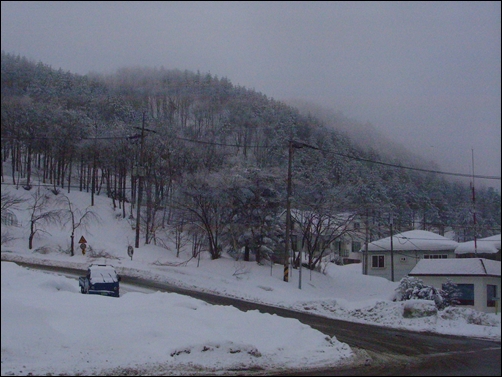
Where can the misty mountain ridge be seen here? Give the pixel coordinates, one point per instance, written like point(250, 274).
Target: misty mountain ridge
point(187, 141)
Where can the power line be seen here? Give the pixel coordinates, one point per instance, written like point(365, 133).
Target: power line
point(353, 158)
point(227, 145)
point(277, 147)
point(69, 137)
point(410, 168)
point(350, 157)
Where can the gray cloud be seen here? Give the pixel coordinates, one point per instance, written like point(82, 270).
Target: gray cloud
point(426, 74)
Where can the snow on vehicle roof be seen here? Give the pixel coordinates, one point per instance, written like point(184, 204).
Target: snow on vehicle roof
point(103, 273)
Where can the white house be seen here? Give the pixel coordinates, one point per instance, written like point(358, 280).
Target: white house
point(488, 248)
point(398, 256)
point(477, 278)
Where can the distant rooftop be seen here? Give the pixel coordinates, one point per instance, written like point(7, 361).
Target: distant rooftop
point(457, 266)
point(414, 240)
point(488, 245)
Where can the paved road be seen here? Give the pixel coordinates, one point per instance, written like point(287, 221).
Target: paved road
point(390, 352)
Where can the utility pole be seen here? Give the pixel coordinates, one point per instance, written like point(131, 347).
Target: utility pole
point(93, 178)
point(365, 253)
point(297, 145)
point(140, 172)
point(288, 213)
point(391, 249)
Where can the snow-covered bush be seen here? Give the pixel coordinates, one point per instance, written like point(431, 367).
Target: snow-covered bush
point(411, 288)
point(419, 308)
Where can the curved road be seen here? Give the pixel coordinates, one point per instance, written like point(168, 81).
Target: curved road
point(388, 352)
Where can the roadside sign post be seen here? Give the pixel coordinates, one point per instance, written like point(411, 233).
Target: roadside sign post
point(83, 245)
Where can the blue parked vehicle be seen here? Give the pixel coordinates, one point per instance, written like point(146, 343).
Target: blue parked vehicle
point(101, 279)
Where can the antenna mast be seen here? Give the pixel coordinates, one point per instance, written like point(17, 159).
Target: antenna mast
point(474, 208)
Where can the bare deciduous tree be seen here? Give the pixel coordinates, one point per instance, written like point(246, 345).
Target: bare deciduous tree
point(76, 218)
point(319, 231)
point(9, 203)
point(40, 216)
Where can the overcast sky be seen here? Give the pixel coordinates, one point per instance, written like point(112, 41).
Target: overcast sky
point(426, 74)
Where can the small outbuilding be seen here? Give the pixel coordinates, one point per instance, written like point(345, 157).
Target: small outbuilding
point(477, 278)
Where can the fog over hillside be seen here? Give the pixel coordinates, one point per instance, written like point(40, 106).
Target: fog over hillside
point(364, 135)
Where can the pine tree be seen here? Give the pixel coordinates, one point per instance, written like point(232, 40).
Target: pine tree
point(450, 294)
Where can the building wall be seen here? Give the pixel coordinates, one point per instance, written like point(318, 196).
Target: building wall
point(404, 262)
point(480, 283)
point(492, 256)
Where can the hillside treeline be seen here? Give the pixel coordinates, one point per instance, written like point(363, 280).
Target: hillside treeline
point(210, 159)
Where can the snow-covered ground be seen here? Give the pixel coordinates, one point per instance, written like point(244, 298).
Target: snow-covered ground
point(47, 326)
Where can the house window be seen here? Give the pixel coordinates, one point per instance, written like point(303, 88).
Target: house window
point(357, 226)
point(435, 256)
point(491, 294)
point(9, 219)
point(377, 261)
point(356, 246)
point(338, 246)
point(466, 294)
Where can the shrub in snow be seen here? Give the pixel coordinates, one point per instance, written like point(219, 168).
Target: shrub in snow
point(43, 250)
point(411, 288)
point(93, 253)
point(419, 308)
point(479, 318)
point(470, 316)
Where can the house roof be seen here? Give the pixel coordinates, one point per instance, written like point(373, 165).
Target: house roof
point(414, 240)
point(488, 245)
point(457, 266)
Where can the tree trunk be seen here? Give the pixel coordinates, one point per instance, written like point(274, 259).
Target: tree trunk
point(32, 234)
point(72, 253)
point(28, 166)
point(69, 172)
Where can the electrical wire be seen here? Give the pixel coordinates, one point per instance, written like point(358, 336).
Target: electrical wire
point(277, 147)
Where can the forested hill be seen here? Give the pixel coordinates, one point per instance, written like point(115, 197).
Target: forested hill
point(211, 153)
